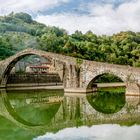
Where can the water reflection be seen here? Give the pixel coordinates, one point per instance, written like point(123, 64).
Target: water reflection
point(107, 101)
point(50, 111)
point(37, 107)
point(96, 132)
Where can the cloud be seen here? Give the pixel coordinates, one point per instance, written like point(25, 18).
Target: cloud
point(101, 18)
point(29, 6)
point(96, 132)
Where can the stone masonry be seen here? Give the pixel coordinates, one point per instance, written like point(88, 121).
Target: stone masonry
point(77, 75)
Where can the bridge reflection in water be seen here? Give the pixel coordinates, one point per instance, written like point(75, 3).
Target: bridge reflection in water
point(41, 111)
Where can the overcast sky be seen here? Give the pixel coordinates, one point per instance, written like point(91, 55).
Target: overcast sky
point(99, 16)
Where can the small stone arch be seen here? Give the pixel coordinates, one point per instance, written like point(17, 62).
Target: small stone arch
point(89, 83)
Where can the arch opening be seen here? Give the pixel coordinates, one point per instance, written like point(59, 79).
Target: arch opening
point(106, 81)
point(29, 67)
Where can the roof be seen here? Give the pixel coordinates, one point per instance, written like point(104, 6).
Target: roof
point(39, 67)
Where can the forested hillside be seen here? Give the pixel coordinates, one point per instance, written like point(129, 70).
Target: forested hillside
point(19, 31)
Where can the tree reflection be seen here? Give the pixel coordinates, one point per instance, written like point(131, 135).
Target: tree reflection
point(107, 101)
point(37, 107)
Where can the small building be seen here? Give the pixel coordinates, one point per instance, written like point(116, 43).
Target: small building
point(43, 68)
point(37, 69)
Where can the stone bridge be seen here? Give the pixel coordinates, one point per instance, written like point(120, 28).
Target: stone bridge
point(77, 74)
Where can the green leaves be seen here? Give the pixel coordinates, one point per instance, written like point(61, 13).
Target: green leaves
point(5, 48)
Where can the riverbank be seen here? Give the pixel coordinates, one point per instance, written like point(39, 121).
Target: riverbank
point(59, 85)
point(110, 85)
point(32, 88)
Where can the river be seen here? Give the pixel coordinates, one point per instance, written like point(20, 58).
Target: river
point(52, 115)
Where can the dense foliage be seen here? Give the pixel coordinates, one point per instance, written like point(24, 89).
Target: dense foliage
point(107, 78)
point(19, 31)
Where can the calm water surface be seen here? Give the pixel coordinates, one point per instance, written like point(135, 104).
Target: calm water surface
point(53, 115)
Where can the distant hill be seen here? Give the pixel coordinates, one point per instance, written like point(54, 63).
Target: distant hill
point(19, 31)
point(23, 22)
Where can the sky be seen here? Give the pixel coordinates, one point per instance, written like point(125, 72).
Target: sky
point(99, 16)
point(96, 132)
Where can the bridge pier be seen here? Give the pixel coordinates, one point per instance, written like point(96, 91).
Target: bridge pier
point(132, 89)
point(132, 100)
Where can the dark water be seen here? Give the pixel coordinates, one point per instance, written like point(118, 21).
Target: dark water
point(51, 115)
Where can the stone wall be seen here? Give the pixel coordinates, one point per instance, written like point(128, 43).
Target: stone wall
point(33, 78)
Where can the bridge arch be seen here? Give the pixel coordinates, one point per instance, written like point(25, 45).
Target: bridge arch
point(129, 75)
point(58, 62)
point(95, 76)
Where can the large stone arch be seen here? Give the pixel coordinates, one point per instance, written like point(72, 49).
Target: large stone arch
point(58, 61)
